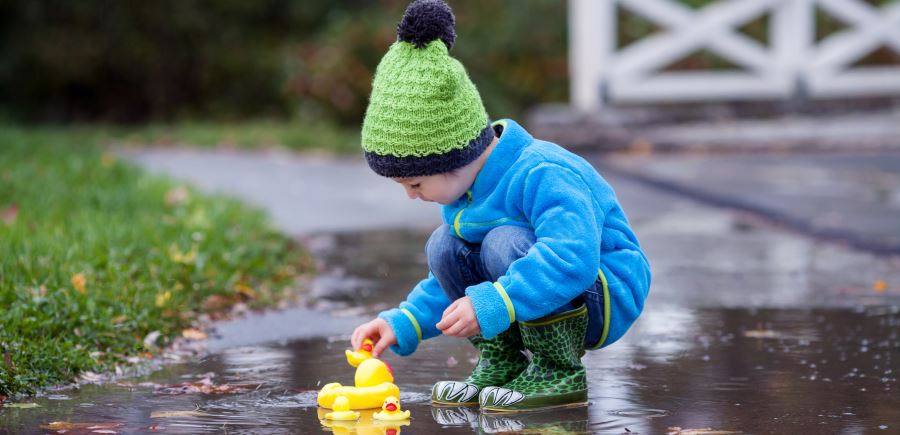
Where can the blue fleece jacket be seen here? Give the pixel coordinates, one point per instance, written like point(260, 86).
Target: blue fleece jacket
point(581, 231)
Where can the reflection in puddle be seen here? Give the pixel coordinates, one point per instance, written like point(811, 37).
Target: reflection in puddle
point(683, 365)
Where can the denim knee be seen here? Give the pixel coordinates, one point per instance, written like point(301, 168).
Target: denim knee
point(503, 245)
point(440, 250)
point(443, 252)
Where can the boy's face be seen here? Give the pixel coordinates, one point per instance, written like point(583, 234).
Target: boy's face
point(441, 188)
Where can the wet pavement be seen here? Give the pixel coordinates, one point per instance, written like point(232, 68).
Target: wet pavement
point(749, 328)
point(851, 198)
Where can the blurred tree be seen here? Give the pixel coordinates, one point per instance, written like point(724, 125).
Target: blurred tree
point(130, 61)
point(170, 59)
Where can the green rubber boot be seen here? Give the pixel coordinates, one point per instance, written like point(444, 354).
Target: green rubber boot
point(501, 360)
point(555, 377)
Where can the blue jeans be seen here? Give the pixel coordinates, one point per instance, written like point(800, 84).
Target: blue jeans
point(458, 264)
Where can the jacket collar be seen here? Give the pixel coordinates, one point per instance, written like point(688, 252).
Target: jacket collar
point(513, 139)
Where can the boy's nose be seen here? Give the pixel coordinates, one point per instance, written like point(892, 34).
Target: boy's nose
point(411, 193)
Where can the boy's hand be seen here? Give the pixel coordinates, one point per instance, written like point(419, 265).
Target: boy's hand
point(459, 319)
point(376, 330)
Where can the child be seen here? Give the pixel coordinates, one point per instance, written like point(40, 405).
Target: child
point(535, 252)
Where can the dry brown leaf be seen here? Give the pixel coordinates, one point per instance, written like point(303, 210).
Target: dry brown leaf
point(205, 386)
point(245, 291)
point(9, 214)
point(107, 160)
point(79, 282)
point(194, 334)
point(22, 405)
point(65, 425)
point(703, 431)
point(170, 414)
point(761, 333)
point(177, 195)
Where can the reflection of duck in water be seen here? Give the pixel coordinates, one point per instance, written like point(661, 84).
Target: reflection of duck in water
point(341, 407)
point(390, 410)
point(374, 383)
point(355, 358)
point(366, 425)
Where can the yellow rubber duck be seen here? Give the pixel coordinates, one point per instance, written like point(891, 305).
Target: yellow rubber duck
point(355, 358)
point(374, 382)
point(390, 410)
point(341, 410)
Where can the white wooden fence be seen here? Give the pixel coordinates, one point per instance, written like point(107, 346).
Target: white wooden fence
point(792, 63)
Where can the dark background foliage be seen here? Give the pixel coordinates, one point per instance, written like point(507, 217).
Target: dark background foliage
point(95, 60)
point(173, 60)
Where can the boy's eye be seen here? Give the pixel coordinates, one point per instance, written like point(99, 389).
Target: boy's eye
point(414, 186)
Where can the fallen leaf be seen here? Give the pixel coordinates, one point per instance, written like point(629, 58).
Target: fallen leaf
point(761, 333)
point(119, 319)
point(107, 160)
point(170, 414)
point(216, 303)
point(164, 297)
point(177, 256)
point(65, 425)
point(880, 286)
point(245, 291)
point(79, 282)
point(703, 431)
point(9, 214)
point(22, 405)
point(194, 334)
point(90, 376)
point(205, 386)
point(177, 195)
point(150, 339)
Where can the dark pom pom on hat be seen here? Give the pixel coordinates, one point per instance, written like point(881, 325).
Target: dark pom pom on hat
point(425, 21)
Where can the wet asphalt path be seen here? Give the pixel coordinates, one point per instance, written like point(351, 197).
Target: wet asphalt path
point(749, 327)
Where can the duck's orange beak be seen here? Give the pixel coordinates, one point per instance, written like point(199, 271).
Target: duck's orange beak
point(367, 347)
point(390, 407)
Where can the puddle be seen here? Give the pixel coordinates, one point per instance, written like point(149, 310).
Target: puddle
point(685, 364)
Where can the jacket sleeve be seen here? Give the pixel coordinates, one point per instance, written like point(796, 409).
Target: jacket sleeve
point(415, 319)
point(562, 263)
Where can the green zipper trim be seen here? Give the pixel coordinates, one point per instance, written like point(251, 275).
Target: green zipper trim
point(509, 306)
point(414, 322)
point(561, 316)
point(495, 222)
point(606, 310)
point(459, 214)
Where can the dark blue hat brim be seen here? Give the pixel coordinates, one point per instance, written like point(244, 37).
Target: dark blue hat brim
point(414, 166)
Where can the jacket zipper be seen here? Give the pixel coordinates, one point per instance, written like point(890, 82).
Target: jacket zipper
point(459, 214)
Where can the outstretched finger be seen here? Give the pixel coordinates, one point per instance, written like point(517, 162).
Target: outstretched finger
point(379, 347)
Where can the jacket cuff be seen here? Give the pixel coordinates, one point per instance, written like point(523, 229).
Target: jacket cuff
point(406, 329)
point(493, 308)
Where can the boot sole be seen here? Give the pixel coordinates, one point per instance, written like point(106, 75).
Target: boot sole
point(452, 404)
point(569, 400)
point(543, 408)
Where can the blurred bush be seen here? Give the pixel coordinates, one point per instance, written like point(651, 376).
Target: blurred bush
point(165, 60)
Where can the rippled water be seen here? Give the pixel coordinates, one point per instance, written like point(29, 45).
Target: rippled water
point(688, 365)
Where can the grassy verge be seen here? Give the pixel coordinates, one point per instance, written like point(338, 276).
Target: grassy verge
point(95, 255)
point(295, 135)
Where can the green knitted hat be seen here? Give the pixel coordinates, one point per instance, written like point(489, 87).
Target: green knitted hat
point(425, 116)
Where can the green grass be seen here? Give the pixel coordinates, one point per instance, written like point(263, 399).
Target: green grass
point(295, 135)
point(152, 255)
